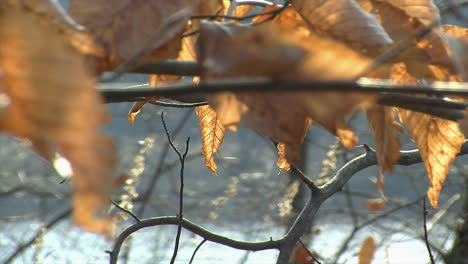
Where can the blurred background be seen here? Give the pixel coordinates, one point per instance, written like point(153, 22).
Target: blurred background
point(249, 198)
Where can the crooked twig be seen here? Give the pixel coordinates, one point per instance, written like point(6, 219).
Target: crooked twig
point(181, 190)
point(196, 250)
point(426, 238)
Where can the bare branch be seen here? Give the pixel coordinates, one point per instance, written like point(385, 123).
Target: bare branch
point(194, 228)
point(126, 211)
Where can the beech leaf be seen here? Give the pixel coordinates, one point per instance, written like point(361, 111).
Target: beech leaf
point(125, 26)
point(272, 50)
point(439, 141)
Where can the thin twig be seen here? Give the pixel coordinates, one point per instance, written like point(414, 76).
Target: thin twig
point(309, 252)
point(144, 197)
point(178, 105)
point(314, 188)
point(181, 191)
point(126, 211)
point(196, 249)
point(426, 239)
point(273, 13)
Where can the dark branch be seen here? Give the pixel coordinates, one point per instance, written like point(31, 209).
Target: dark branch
point(126, 211)
point(268, 85)
point(196, 250)
point(334, 185)
point(196, 229)
point(426, 238)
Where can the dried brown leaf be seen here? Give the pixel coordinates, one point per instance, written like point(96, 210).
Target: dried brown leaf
point(382, 125)
point(125, 27)
point(346, 21)
point(290, 153)
point(366, 254)
point(375, 204)
point(50, 99)
point(268, 51)
point(438, 141)
point(212, 131)
point(63, 25)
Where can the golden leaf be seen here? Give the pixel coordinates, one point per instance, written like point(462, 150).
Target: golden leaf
point(366, 254)
point(212, 131)
point(51, 100)
point(439, 141)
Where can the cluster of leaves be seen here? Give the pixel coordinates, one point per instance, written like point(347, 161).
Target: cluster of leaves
point(50, 63)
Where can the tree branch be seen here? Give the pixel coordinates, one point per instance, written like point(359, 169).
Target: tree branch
point(298, 228)
point(334, 185)
point(194, 228)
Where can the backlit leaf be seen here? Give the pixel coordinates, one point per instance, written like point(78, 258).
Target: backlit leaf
point(212, 131)
point(438, 140)
point(255, 52)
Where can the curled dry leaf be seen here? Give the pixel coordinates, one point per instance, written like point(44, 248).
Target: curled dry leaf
point(124, 27)
point(366, 254)
point(54, 113)
point(212, 131)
